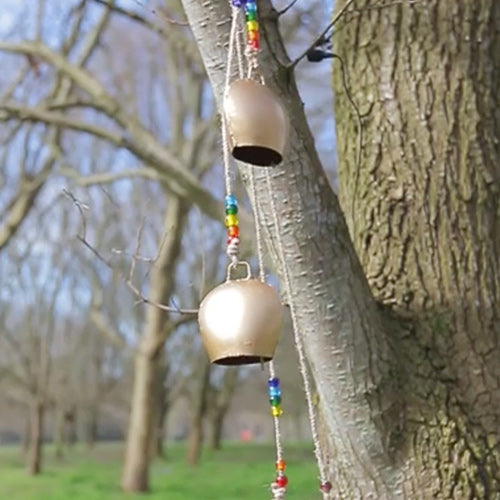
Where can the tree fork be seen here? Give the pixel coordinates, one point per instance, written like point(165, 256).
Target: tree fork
point(350, 352)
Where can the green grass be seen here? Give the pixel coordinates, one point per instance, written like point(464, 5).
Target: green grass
point(238, 472)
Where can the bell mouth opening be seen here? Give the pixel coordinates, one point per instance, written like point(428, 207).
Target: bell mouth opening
point(241, 360)
point(257, 155)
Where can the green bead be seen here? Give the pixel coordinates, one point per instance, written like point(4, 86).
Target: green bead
point(251, 15)
point(275, 400)
point(231, 210)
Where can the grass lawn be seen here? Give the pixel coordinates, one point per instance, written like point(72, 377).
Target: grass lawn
point(238, 472)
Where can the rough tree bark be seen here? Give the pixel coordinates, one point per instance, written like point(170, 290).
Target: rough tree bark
point(143, 411)
point(406, 375)
point(426, 223)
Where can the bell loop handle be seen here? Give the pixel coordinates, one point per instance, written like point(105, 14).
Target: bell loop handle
point(234, 265)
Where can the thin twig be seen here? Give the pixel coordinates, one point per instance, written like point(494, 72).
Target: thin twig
point(321, 37)
point(287, 8)
point(127, 280)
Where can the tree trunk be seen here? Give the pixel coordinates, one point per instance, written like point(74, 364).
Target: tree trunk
point(59, 428)
point(219, 405)
point(214, 438)
point(26, 436)
point(423, 212)
point(161, 423)
point(409, 387)
point(70, 433)
point(34, 465)
point(351, 357)
point(137, 457)
point(160, 413)
point(147, 360)
point(198, 407)
point(87, 424)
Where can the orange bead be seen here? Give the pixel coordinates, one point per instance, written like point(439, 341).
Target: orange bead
point(253, 35)
point(280, 465)
point(233, 231)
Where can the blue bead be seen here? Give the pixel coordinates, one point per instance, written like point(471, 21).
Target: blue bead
point(251, 6)
point(273, 382)
point(231, 200)
point(274, 391)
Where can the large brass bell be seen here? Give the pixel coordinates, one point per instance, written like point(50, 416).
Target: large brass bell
point(257, 123)
point(240, 322)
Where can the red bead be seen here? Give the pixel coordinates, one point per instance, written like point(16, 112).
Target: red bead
point(233, 231)
point(281, 481)
point(253, 44)
point(280, 465)
point(326, 487)
point(230, 239)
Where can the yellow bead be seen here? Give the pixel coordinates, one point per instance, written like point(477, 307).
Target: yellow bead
point(252, 26)
point(276, 411)
point(231, 220)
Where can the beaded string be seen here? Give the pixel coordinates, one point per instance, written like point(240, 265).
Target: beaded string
point(325, 485)
point(278, 487)
point(231, 204)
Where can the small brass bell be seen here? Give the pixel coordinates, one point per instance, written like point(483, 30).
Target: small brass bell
point(240, 322)
point(257, 123)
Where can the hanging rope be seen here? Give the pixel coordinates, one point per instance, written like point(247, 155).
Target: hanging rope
point(278, 487)
point(325, 485)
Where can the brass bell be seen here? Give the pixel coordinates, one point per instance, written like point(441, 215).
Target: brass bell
point(257, 123)
point(240, 322)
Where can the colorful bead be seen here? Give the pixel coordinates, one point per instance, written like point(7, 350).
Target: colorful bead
point(231, 200)
point(253, 44)
point(250, 6)
point(281, 481)
point(280, 465)
point(231, 209)
point(252, 35)
point(231, 220)
point(252, 25)
point(326, 487)
point(273, 382)
point(276, 411)
point(251, 15)
point(275, 401)
point(238, 3)
point(233, 231)
point(253, 39)
point(274, 391)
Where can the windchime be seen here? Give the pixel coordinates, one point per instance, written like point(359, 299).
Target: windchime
point(240, 320)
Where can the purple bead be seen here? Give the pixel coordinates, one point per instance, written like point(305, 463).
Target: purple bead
point(238, 3)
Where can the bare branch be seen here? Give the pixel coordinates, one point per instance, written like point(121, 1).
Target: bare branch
point(126, 279)
point(287, 8)
point(321, 36)
point(9, 111)
point(23, 201)
point(186, 46)
point(110, 177)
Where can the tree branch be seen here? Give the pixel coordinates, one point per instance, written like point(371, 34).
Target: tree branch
point(321, 36)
